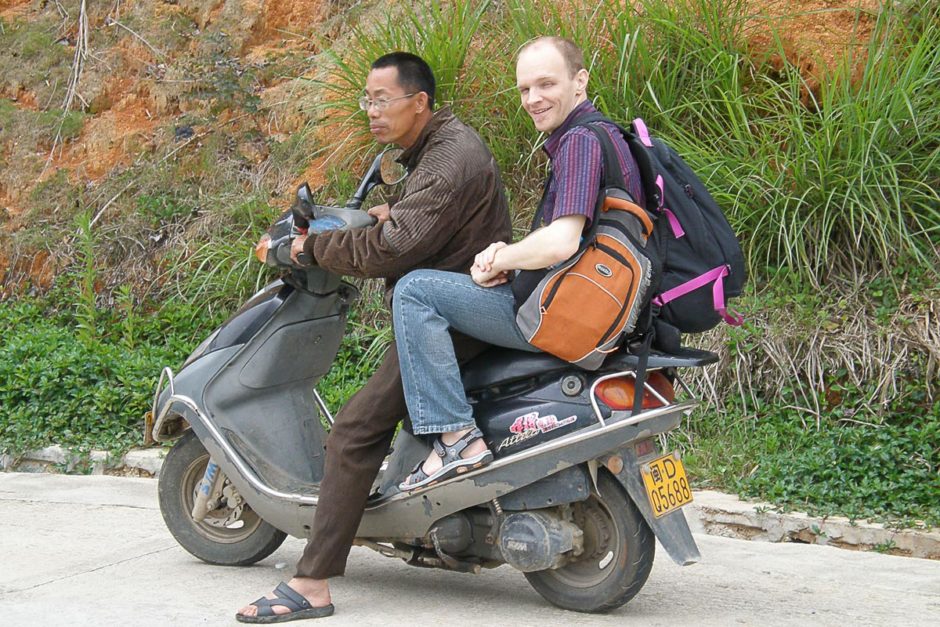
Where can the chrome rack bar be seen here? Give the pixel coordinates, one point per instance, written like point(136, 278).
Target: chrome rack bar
point(322, 406)
point(631, 373)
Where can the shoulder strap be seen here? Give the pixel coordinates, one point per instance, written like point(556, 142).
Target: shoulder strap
point(537, 218)
point(611, 175)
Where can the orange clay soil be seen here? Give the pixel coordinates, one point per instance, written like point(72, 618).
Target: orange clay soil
point(10, 9)
point(815, 36)
point(284, 25)
point(108, 140)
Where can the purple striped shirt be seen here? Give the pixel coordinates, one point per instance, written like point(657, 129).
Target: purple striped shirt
point(577, 160)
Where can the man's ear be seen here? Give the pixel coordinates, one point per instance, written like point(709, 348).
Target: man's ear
point(581, 80)
point(421, 100)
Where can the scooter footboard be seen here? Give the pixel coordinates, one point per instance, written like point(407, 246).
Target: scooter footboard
point(410, 515)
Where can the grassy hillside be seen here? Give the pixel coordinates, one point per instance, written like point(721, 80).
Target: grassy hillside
point(144, 146)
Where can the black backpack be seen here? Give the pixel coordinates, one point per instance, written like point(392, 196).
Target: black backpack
point(703, 266)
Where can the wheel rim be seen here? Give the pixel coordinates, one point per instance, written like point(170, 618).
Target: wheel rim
point(603, 547)
point(224, 524)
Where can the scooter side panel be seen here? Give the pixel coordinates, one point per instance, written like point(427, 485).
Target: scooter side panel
point(253, 315)
point(309, 345)
point(511, 425)
point(411, 515)
point(264, 408)
point(191, 380)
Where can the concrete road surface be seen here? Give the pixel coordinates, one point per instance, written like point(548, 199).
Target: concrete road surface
point(94, 551)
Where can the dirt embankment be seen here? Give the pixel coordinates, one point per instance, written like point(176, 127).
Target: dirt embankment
point(160, 73)
point(816, 35)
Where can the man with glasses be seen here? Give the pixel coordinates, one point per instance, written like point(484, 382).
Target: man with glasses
point(452, 205)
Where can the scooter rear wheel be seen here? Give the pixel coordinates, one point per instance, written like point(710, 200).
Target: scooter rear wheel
point(225, 537)
point(618, 554)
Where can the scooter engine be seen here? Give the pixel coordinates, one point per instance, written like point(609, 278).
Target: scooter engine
point(538, 540)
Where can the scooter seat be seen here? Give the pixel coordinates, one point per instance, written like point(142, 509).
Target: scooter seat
point(503, 365)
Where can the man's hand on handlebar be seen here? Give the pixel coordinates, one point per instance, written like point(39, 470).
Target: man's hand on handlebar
point(296, 248)
point(380, 212)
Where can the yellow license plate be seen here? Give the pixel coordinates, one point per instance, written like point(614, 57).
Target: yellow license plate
point(666, 484)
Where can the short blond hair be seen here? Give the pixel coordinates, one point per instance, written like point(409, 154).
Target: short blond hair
point(570, 52)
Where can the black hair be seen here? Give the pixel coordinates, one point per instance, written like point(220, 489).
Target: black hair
point(414, 74)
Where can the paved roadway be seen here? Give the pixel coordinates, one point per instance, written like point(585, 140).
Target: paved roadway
point(94, 551)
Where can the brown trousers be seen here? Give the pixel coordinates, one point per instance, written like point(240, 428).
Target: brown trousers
point(358, 442)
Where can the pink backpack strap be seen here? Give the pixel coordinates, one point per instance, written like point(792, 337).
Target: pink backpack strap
point(674, 224)
point(716, 278)
point(642, 132)
point(677, 229)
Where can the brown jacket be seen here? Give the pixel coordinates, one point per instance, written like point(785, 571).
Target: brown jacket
point(452, 206)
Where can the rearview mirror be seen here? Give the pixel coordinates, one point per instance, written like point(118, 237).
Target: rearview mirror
point(384, 162)
point(390, 170)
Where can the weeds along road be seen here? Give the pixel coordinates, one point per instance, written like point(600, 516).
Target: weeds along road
point(93, 550)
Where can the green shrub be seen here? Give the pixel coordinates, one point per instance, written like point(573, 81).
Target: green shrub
point(164, 207)
point(54, 389)
point(31, 58)
point(888, 472)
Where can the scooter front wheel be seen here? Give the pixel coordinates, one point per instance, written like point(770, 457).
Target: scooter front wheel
point(618, 554)
point(228, 536)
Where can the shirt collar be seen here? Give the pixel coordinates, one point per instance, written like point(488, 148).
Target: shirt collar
point(554, 140)
point(409, 158)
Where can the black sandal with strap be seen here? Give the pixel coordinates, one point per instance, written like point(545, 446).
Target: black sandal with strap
point(298, 607)
point(452, 462)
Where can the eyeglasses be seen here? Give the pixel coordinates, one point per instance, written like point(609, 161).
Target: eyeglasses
point(381, 104)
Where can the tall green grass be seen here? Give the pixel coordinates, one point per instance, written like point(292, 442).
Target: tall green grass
point(843, 179)
point(439, 32)
point(824, 183)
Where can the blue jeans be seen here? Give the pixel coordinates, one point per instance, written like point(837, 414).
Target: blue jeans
point(426, 304)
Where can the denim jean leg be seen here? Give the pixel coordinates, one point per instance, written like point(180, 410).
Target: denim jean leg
point(426, 304)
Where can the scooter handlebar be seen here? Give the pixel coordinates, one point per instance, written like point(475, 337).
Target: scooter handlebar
point(327, 219)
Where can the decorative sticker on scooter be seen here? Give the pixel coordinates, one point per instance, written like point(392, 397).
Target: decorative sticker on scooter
point(543, 424)
point(516, 439)
point(524, 423)
point(530, 425)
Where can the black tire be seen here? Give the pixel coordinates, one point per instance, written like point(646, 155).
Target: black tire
point(618, 554)
point(237, 543)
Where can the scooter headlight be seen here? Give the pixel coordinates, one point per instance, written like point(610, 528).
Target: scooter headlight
point(262, 248)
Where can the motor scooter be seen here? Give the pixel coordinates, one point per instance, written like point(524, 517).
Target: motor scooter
point(577, 493)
